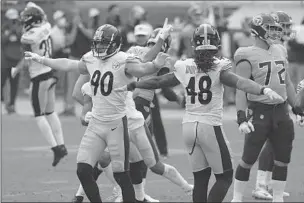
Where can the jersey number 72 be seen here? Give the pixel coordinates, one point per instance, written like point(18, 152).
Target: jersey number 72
point(204, 94)
point(96, 81)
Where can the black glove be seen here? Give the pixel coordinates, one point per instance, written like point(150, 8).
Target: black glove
point(131, 86)
point(297, 111)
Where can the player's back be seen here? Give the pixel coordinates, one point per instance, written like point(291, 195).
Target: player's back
point(204, 91)
point(144, 93)
point(107, 75)
point(38, 38)
point(267, 67)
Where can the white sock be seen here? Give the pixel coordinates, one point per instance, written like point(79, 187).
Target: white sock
point(109, 174)
point(261, 179)
point(139, 191)
point(80, 191)
point(174, 176)
point(55, 124)
point(46, 130)
point(278, 188)
point(268, 178)
point(238, 190)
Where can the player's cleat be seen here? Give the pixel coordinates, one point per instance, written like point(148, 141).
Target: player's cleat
point(59, 152)
point(150, 199)
point(285, 194)
point(261, 193)
point(77, 199)
point(10, 109)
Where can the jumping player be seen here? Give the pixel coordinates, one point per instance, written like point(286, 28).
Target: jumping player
point(109, 68)
point(263, 187)
point(203, 78)
point(36, 38)
point(265, 62)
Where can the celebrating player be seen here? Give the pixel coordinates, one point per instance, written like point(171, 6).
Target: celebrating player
point(203, 78)
point(141, 147)
point(109, 68)
point(265, 62)
point(263, 187)
point(36, 38)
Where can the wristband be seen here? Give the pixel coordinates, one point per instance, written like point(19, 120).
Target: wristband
point(241, 117)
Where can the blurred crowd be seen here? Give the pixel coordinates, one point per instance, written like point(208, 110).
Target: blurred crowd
point(72, 39)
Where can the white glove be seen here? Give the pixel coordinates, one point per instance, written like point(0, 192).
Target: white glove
point(273, 95)
point(300, 120)
point(246, 127)
point(88, 116)
point(161, 59)
point(33, 56)
point(166, 30)
point(14, 72)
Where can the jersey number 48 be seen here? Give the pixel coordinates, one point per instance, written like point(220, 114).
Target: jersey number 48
point(204, 94)
point(96, 82)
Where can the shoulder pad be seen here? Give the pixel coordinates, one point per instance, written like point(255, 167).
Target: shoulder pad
point(88, 57)
point(86, 89)
point(180, 65)
point(283, 49)
point(241, 54)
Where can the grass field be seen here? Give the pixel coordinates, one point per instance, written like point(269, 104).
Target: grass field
point(27, 174)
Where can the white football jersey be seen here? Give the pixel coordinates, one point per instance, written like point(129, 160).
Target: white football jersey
point(143, 93)
point(135, 118)
point(41, 43)
point(107, 75)
point(204, 91)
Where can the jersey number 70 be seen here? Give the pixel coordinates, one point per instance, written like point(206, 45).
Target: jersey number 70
point(204, 94)
point(96, 81)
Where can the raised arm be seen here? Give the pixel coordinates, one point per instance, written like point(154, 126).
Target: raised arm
point(61, 64)
point(135, 67)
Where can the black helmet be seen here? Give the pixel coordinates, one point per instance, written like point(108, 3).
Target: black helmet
point(32, 16)
point(106, 41)
point(206, 42)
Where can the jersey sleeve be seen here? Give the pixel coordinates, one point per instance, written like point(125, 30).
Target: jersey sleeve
point(179, 71)
point(241, 55)
point(88, 58)
point(86, 89)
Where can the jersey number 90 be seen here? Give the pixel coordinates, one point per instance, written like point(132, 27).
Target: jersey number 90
point(46, 47)
point(96, 82)
point(204, 94)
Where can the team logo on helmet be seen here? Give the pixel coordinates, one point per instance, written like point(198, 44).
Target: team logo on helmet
point(257, 20)
point(275, 17)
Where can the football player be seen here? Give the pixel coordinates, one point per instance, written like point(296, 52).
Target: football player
point(108, 68)
point(140, 147)
point(36, 38)
point(143, 102)
point(263, 187)
point(265, 62)
point(203, 78)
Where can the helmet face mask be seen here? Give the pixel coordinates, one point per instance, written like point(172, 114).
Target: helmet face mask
point(286, 22)
point(106, 42)
point(206, 42)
